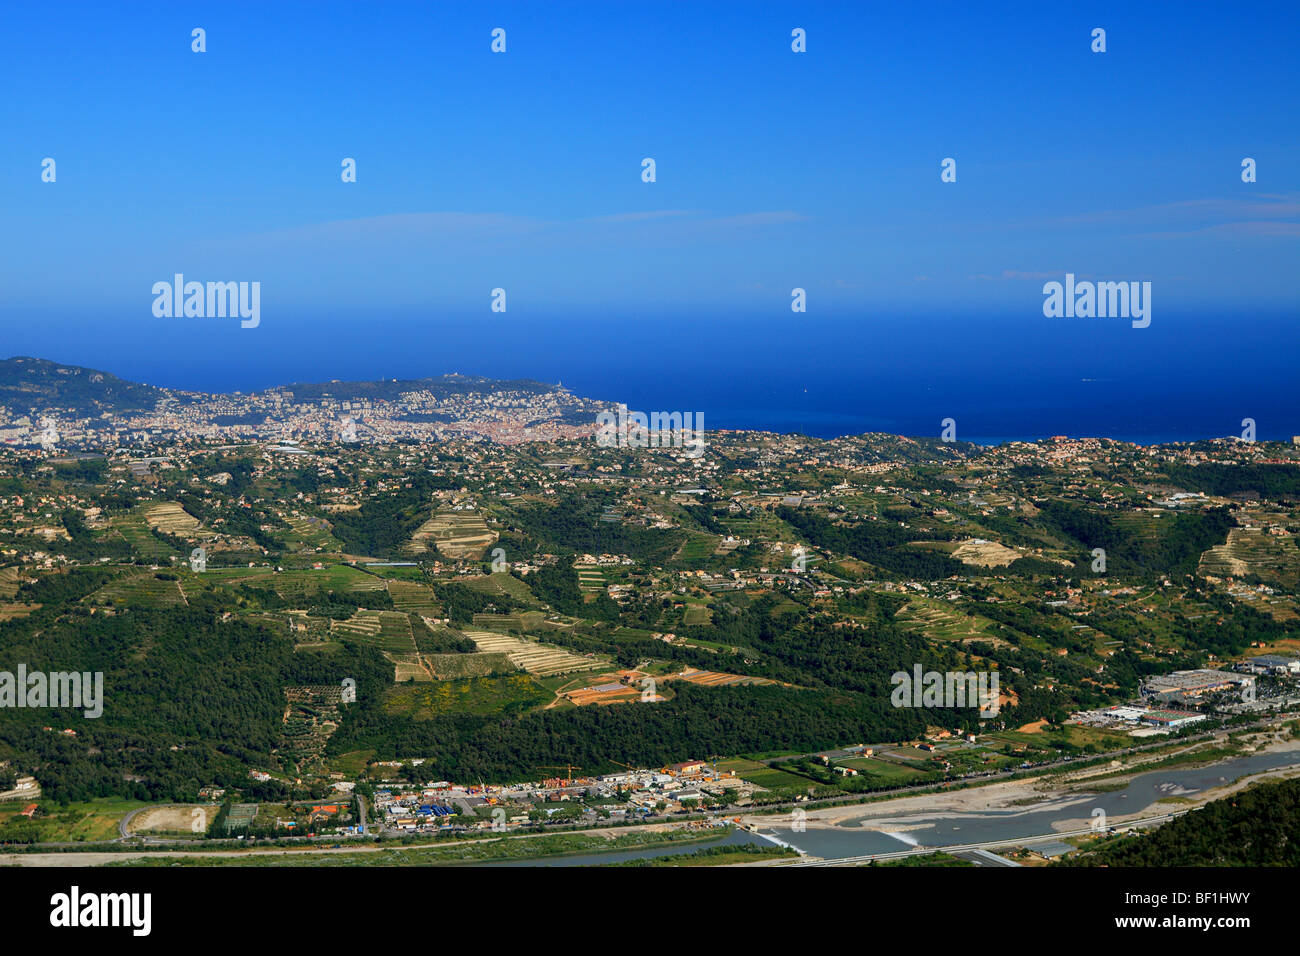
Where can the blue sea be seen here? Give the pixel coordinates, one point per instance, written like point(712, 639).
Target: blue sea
point(1000, 378)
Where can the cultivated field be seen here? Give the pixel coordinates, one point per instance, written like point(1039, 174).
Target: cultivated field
point(457, 534)
point(716, 679)
point(939, 622)
point(1254, 551)
point(986, 554)
point(501, 583)
point(413, 598)
point(454, 666)
point(590, 578)
point(170, 518)
point(139, 590)
point(9, 582)
point(311, 716)
point(389, 631)
point(543, 660)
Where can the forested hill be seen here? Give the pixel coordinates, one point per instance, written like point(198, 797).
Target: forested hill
point(33, 385)
point(1258, 827)
point(38, 385)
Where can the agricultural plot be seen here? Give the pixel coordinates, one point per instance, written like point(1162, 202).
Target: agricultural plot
point(80, 822)
point(985, 554)
point(940, 622)
point(590, 578)
point(716, 679)
point(311, 716)
point(454, 666)
point(10, 580)
point(304, 585)
point(696, 548)
point(456, 534)
point(139, 590)
point(390, 631)
point(1254, 551)
point(413, 598)
point(764, 777)
point(309, 630)
point(170, 518)
point(883, 771)
point(696, 614)
point(135, 530)
point(610, 692)
point(408, 668)
point(512, 693)
point(501, 582)
point(310, 532)
point(544, 660)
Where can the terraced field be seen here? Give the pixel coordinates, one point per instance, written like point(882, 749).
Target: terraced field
point(1254, 551)
point(390, 631)
point(309, 531)
point(501, 582)
point(457, 535)
point(311, 716)
point(414, 598)
point(454, 666)
point(10, 579)
point(10, 612)
point(544, 660)
point(717, 679)
point(1274, 559)
point(170, 518)
point(134, 529)
point(306, 584)
point(139, 590)
point(590, 578)
point(939, 622)
point(524, 621)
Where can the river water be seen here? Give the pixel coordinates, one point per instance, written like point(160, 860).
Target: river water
point(949, 827)
point(939, 828)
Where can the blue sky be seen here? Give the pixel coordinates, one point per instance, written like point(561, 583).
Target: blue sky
point(522, 171)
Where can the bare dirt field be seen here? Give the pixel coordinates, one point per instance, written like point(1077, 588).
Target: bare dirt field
point(177, 818)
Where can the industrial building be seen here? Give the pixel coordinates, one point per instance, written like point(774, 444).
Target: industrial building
point(1279, 664)
point(1190, 686)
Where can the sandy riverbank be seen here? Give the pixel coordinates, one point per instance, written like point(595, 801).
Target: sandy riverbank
point(1028, 795)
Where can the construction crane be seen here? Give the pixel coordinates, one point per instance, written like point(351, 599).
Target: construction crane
point(568, 768)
